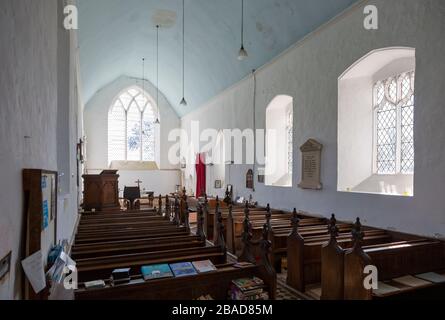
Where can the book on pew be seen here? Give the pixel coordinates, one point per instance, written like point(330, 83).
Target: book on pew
point(94, 284)
point(156, 271)
point(120, 276)
point(183, 269)
point(431, 277)
point(204, 266)
point(411, 281)
point(246, 284)
point(241, 265)
point(384, 288)
point(248, 289)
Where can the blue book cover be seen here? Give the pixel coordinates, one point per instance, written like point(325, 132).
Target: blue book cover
point(183, 269)
point(156, 271)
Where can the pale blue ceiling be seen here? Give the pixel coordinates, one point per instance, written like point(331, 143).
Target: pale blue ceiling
point(116, 34)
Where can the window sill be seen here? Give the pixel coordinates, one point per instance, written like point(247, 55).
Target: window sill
point(401, 185)
point(134, 165)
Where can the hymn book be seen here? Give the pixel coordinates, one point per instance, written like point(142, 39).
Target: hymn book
point(384, 289)
point(204, 266)
point(183, 269)
point(432, 277)
point(411, 281)
point(94, 284)
point(156, 271)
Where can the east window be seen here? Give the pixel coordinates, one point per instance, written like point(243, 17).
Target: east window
point(131, 127)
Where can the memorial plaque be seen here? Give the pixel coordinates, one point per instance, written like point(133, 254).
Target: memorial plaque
point(311, 165)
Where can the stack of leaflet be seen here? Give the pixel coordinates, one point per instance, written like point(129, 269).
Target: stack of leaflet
point(62, 266)
point(248, 289)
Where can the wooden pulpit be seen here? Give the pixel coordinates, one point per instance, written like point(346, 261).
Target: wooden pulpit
point(101, 191)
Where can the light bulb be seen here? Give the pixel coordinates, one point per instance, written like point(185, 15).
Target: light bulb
point(242, 53)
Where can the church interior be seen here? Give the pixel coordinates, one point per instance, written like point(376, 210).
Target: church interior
point(214, 150)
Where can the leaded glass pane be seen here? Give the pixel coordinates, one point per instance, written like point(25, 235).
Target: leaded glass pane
point(394, 103)
point(407, 157)
point(126, 100)
point(133, 133)
point(148, 134)
point(386, 140)
point(116, 134)
point(290, 134)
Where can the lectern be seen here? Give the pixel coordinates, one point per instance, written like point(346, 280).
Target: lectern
point(101, 191)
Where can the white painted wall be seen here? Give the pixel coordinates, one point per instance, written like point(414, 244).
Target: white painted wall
point(309, 73)
point(31, 109)
point(96, 130)
point(355, 134)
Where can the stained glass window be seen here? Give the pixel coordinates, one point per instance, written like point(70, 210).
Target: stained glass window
point(131, 123)
point(394, 109)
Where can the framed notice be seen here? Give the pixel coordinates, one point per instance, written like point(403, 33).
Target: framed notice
point(311, 165)
point(40, 209)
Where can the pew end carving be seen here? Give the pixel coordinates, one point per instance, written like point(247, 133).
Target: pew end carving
point(246, 236)
point(332, 266)
point(295, 248)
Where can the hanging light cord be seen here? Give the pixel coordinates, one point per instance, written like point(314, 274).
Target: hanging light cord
point(143, 76)
point(157, 66)
point(183, 48)
point(254, 124)
point(242, 23)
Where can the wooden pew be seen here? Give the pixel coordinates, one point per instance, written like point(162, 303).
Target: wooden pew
point(392, 260)
point(117, 213)
point(279, 226)
point(101, 267)
point(216, 283)
point(151, 227)
point(210, 216)
point(100, 249)
point(304, 251)
point(97, 258)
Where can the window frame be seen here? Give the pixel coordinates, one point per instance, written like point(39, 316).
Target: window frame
point(398, 105)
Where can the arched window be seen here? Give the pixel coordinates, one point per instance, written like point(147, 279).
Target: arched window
point(376, 123)
point(131, 127)
point(394, 124)
point(279, 142)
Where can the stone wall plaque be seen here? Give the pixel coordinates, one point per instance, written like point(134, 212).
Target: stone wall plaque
point(311, 165)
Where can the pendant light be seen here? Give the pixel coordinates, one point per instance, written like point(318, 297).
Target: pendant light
point(157, 74)
point(242, 54)
point(183, 101)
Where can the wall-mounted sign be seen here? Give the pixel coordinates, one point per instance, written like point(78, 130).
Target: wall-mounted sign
point(249, 179)
point(311, 165)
